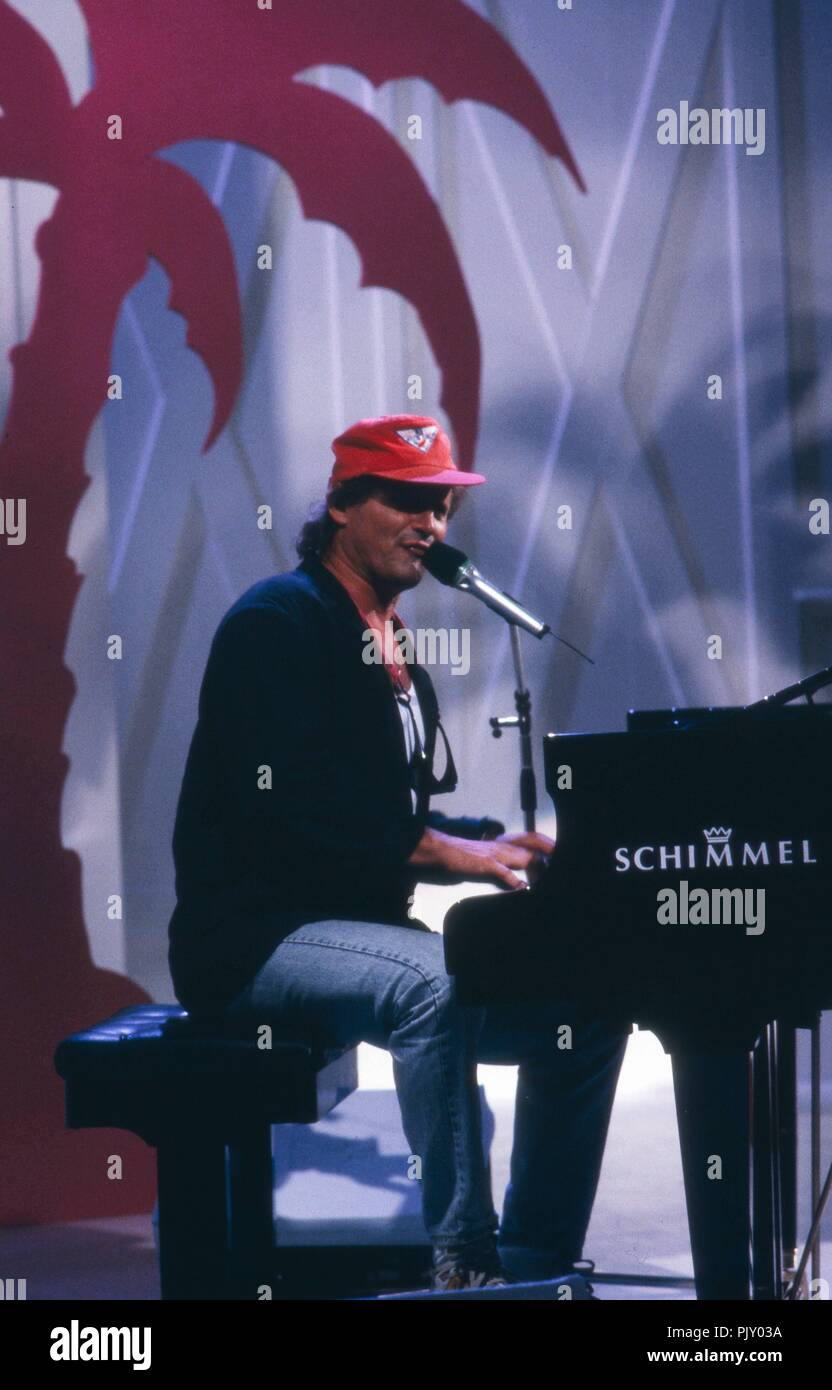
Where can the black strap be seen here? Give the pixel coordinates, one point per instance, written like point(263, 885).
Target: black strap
point(449, 777)
point(422, 777)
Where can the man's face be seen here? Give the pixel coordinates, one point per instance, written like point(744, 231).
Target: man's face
point(385, 536)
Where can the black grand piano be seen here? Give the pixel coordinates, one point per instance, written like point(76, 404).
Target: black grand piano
point(690, 893)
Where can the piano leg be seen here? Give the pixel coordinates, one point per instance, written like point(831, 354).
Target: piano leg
point(712, 1107)
point(787, 1109)
point(766, 1204)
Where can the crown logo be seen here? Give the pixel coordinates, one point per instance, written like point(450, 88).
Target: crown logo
point(718, 835)
point(421, 437)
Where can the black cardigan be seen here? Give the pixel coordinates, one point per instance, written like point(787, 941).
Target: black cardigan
point(285, 689)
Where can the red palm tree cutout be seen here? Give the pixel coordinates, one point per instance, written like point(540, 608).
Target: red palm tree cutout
point(196, 70)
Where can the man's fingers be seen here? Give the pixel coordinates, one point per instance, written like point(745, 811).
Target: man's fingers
point(513, 882)
point(506, 877)
point(536, 870)
point(529, 839)
point(541, 844)
point(518, 857)
point(513, 856)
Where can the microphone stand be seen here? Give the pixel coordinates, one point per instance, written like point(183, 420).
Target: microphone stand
point(451, 566)
point(522, 721)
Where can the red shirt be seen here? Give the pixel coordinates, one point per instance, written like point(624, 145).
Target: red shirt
point(396, 670)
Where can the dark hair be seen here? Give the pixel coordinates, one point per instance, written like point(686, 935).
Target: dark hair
point(318, 531)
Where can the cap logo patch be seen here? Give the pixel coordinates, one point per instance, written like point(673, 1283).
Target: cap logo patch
point(420, 438)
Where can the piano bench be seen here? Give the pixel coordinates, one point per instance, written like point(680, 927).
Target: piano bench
point(204, 1094)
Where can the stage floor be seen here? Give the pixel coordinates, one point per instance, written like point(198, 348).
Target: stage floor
point(638, 1228)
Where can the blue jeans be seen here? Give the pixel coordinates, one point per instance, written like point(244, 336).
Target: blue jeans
point(348, 982)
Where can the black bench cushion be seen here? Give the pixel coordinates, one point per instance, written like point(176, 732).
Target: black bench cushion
point(163, 1040)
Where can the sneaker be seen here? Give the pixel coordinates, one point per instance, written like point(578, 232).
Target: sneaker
point(475, 1266)
point(552, 1268)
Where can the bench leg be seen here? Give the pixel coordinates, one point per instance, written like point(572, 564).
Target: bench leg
point(193, 1222)
point(251, 1197)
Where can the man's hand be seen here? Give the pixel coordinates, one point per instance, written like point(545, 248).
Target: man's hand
point(449, 859)
point(541, 847)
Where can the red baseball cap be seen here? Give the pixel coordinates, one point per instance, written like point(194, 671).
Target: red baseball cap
point(406, 448)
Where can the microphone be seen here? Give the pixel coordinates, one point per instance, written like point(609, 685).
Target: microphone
point(451, 566)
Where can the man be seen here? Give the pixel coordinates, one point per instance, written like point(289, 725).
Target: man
point(302, 827)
